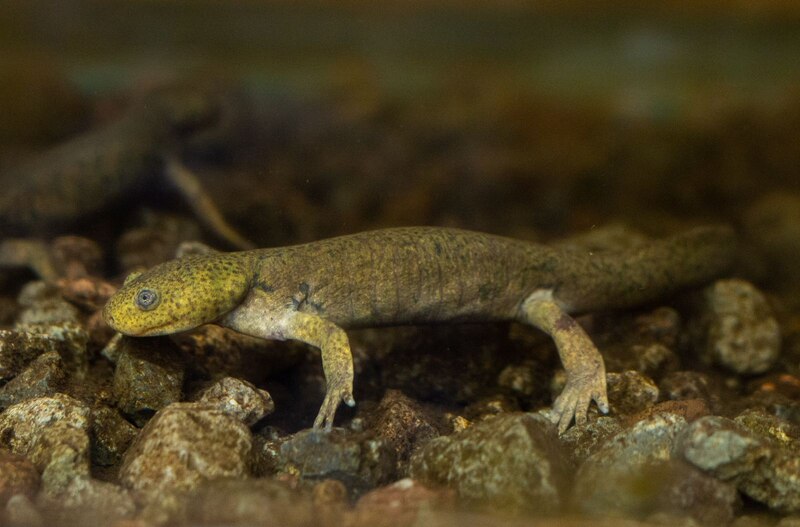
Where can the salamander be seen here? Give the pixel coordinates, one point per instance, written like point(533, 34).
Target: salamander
point(316, 291)
point(135, 155)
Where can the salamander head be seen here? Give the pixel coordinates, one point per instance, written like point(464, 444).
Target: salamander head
point(179, 295)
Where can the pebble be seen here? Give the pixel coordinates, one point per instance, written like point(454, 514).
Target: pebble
point(611, 479)
point(148, 376)
point(44, 376)
point(359, 460)
point(511, 462)
point(738, 329)
point(183, 445)
point(238, 398)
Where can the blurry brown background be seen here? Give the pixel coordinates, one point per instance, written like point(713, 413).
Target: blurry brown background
point(528, 120)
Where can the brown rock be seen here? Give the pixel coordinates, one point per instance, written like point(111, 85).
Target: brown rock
point(183, 445)
point(238, 398)
point(17, 476)
point(399, 504)
point(148, 377)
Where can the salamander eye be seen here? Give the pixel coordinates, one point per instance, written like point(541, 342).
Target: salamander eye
point(146, 299)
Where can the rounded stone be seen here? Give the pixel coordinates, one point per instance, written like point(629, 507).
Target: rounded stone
point(183, 445)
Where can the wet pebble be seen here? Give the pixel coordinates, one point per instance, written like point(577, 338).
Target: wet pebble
point(19, 348)
point(404, 425)
point(183, 445)
point(630, 392)
point(759, 466)
point(214, 350)
point(722, 447)
point(623, 474)
point(607, 480)
point(580, 441)
point(148, 376)
point(45, 313)
point(681, 385)
point(359, 460)
point(53, 432)
point(111, 435)
point(42, 377)
point(238, 398)
point(737, 328)
point(511, 461)
point(88, 293)
point(23, 425)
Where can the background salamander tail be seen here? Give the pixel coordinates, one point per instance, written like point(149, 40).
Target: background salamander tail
point(618, 279)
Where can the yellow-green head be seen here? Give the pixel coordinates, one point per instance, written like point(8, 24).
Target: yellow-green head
point(179, 295)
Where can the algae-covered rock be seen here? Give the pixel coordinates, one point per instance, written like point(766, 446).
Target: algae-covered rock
point(511, 461)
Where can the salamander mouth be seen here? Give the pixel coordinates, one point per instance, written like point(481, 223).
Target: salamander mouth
point(152, 331)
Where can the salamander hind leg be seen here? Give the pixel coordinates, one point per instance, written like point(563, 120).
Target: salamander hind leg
point(337, 361)
point(586, 373)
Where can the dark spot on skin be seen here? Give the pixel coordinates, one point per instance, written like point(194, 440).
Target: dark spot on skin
point(565, 322)
point(263, 286)
point(485, 291)
point(304, 299)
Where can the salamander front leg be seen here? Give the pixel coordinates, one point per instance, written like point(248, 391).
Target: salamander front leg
point(586, 371)
point(337, 361)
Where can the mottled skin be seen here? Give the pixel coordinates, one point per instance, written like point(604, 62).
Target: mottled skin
point(313, 292)
point(133, 156)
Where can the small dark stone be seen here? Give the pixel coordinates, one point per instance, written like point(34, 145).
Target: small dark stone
point(148, 377)
point(359, 461)
point(238, 398)
point(404, 425)
point(630, 392)
point(111, 435)
point(44, 376)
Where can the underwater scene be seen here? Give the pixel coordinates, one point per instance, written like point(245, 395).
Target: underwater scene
point(399, 263)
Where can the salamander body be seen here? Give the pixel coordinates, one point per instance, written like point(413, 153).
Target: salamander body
point(314, 292)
